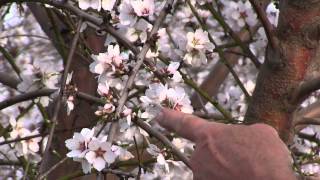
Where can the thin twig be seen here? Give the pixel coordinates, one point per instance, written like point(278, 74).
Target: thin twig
point(10, 163)
point(37, 135)
point(138, 154)
point(9, 80)
point(245, 48)
point(312, 138)
point(118, 172)
point(24, 35)
point(305, 89)
point(308, 121)
point(163, 139)
point(10, 59)
point(45, 174)
point(268, 27)
point(140, 58)
point(26, 96)
point(220, 52)
point(59, 99)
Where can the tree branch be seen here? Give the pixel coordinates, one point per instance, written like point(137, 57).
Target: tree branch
point(245, 48)
point(60, 97)
point(308, 121)
point(268, 27)
point(26, 96)
point(45, 174)
point(305, 89)
point(9, 80)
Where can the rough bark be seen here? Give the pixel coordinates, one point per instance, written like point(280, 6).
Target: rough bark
point(286, 67)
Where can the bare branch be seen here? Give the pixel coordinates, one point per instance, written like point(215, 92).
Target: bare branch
point(37, 135)
point(308, 137)
point(45, 174)
point(10, 163)
point(26, 96)
point(9, 80)
point(308, 121)
point(118, 172)
point(61, 93)
point(305, 89)
point(269, 29)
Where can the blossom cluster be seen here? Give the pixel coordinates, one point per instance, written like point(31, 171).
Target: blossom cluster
point(94, 152)
point(159, 95)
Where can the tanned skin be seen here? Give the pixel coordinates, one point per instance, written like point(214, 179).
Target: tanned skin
point(231, 152)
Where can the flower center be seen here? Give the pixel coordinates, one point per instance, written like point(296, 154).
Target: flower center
point(195, 41)
point(99, 152)
point(82, 146)
point(243, 14)
point(145, 11)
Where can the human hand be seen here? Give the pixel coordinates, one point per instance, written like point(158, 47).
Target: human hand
point(231, 152)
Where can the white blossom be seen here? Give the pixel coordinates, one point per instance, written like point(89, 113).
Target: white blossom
point(143, 7)
point(127, 15)
point(86, 4)
point(99, 154)
point(108, 4)
point(159, 95)
point(78, 144)
point(197, 45)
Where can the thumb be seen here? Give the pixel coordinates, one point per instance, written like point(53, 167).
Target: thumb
point(185, 125)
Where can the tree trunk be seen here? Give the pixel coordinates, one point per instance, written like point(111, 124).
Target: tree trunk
point(286, 67)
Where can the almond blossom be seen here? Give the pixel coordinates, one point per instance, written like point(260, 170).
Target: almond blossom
point(127, 14)
point(86, 4)
point(238, 14)
point(30, 145)
point(99, 154)
point(104, 111)
point(143, 7)
point(198, 40)
point(108, 4)
point(103, 89)
point(138, 31)
point(78, 144)
point(172, 69)
point(111, 60)
point(197, 45)
point(20, 129)
point(159, 95)
point(156, 152)
point(36, 76)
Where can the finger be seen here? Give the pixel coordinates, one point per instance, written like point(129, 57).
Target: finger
point(185, 125)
